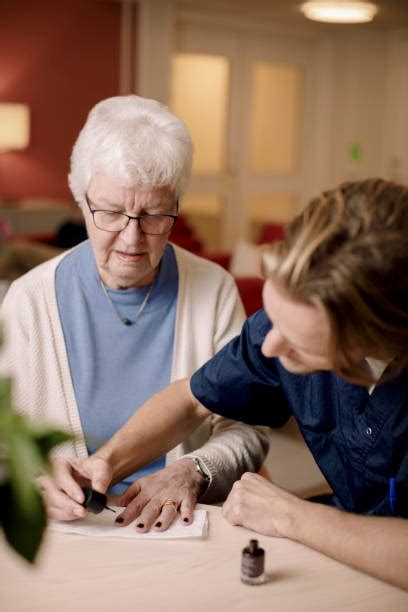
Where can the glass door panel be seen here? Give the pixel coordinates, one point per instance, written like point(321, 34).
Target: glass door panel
point(199, 95)
point(274, 123)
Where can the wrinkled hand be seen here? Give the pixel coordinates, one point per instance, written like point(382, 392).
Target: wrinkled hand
point(62, 492)
point(257, 504)
point(145, 497)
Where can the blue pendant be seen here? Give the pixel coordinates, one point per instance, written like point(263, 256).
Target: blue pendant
point(127, 321)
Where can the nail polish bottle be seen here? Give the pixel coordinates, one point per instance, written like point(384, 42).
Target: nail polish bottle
point(252, 564)
point(94, 501)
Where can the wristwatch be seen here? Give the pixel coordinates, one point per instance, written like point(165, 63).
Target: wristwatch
point(200, 469)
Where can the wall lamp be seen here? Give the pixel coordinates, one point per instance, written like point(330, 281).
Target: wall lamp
point(14, 126)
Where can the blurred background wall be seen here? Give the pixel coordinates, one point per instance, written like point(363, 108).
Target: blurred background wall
point(279, 107)
point(59, 58)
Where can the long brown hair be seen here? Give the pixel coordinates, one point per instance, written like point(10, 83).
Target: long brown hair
point(348, 252)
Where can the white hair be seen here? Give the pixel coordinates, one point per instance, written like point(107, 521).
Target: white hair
point(134, 141)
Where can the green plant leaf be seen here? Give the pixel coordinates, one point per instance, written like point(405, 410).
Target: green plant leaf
point(5, 394)
point(25, 462)
point(51, 438)
point(6, 425)
point(24, 449)
point(47, 437)
point(23, 533)
point(39, 438)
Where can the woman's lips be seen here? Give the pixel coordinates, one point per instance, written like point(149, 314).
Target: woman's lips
point(129, 257)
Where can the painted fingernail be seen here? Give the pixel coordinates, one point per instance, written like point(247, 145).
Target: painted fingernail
point(158, 524)
point(185, 520)
point(140, 525)
point(119, 520)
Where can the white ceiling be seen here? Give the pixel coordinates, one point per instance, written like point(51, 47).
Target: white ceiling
point(392, 13)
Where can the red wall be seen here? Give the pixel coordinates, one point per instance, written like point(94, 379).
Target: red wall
point(60, 57)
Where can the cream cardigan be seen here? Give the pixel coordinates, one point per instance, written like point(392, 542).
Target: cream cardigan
point(209, 313)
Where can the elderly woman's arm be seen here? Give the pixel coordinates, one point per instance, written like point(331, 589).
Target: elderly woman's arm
point(234, 448)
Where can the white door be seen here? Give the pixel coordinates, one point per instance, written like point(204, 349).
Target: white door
point(248, 99)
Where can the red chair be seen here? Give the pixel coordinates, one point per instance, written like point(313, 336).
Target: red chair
point(184, 236)
point(222, 258)
point(250, 290)
point(271, 232)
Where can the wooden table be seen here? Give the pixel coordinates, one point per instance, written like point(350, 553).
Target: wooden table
point(77, 573)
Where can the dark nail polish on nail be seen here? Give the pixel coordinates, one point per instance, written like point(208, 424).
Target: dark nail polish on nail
point(119, 520)
point(140, 525)
point(185, 520)
point(158, 524)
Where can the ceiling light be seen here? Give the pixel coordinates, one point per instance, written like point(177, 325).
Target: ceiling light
point(340, 11)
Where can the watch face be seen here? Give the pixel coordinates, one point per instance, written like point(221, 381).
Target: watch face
point(200, 469)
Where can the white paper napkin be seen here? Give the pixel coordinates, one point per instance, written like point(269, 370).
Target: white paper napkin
point(103, 525)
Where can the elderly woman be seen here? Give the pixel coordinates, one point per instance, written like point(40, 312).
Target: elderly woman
point(94, 332)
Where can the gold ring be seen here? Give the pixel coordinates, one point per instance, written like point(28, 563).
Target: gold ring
point(170, 502)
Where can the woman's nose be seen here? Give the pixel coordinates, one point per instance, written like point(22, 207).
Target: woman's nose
point(274, 344)
point(132, 231)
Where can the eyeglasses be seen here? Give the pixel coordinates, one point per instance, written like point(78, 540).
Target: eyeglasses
point(111, 221)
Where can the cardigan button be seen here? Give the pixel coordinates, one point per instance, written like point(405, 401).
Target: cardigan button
point(369, 431)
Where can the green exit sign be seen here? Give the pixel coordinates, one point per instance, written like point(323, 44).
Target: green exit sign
point(355, 153)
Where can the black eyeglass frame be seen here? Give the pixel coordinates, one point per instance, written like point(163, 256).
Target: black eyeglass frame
point(138, 218)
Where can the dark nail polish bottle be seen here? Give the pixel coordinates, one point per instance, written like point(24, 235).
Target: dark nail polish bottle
point(94, 501)
point(252, 564)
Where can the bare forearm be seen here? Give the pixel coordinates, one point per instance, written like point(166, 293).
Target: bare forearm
point(372, 544)
point(161, 423)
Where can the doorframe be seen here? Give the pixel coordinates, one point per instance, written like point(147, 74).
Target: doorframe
point(155, 35)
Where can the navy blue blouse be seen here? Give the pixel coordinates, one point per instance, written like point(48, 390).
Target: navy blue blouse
point(359, 441)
